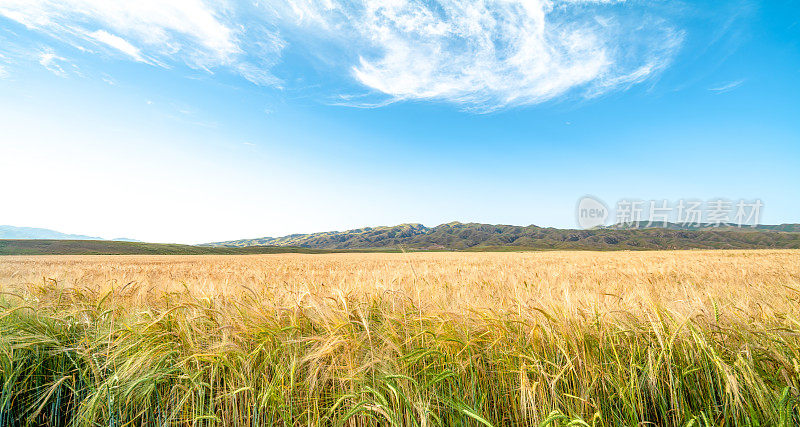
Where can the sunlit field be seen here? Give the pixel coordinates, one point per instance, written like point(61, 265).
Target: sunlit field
point(704, 338)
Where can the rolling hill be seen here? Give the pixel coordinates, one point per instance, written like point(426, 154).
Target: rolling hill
point(450, 236)
point(475, 236)
point(110, 247)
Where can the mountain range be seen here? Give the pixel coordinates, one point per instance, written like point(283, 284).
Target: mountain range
point(475, 236)
point(25, 233)
point(450, 236)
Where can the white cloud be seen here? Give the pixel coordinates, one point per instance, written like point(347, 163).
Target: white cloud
point(479, 54)
point(727, 87)
point(48, 59)
point(164, 25)
point(487, 54)
point(3, 72)
point(117, 43)
point(201, 34)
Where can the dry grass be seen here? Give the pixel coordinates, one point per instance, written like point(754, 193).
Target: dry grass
point(703, 337)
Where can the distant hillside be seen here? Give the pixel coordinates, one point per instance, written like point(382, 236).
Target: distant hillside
point(109, 247)
point(11, 232)
point(725, 226)
point(473, 236)
point(451, 236)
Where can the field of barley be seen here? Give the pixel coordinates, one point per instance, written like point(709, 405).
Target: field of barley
point(701, 338)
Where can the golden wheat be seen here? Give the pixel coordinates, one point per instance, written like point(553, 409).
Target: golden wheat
point(623, 338)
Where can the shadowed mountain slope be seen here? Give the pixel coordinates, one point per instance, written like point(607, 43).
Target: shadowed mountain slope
point(474, 236)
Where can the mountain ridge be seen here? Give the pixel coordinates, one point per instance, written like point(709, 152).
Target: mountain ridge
point(475, 236)
point(10, 232)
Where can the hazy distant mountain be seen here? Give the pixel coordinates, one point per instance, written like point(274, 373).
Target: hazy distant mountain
point(459, 236)
point(11, 232)
point(704, 226)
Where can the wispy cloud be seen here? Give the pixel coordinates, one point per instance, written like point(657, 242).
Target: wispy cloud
point(481, 55)
point(3, 70)
point(484, 54)
point(118, 43)
point(48, 59)
point(201, 34)
point(727, 86)
point(159, 24)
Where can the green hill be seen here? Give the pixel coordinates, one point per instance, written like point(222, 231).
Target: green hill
point(450, 236)
point(108, 247)
point(474, 236)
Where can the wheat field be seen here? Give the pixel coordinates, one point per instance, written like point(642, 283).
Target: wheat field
point(703, 338)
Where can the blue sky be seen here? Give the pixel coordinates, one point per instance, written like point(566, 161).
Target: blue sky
point(196, 121)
